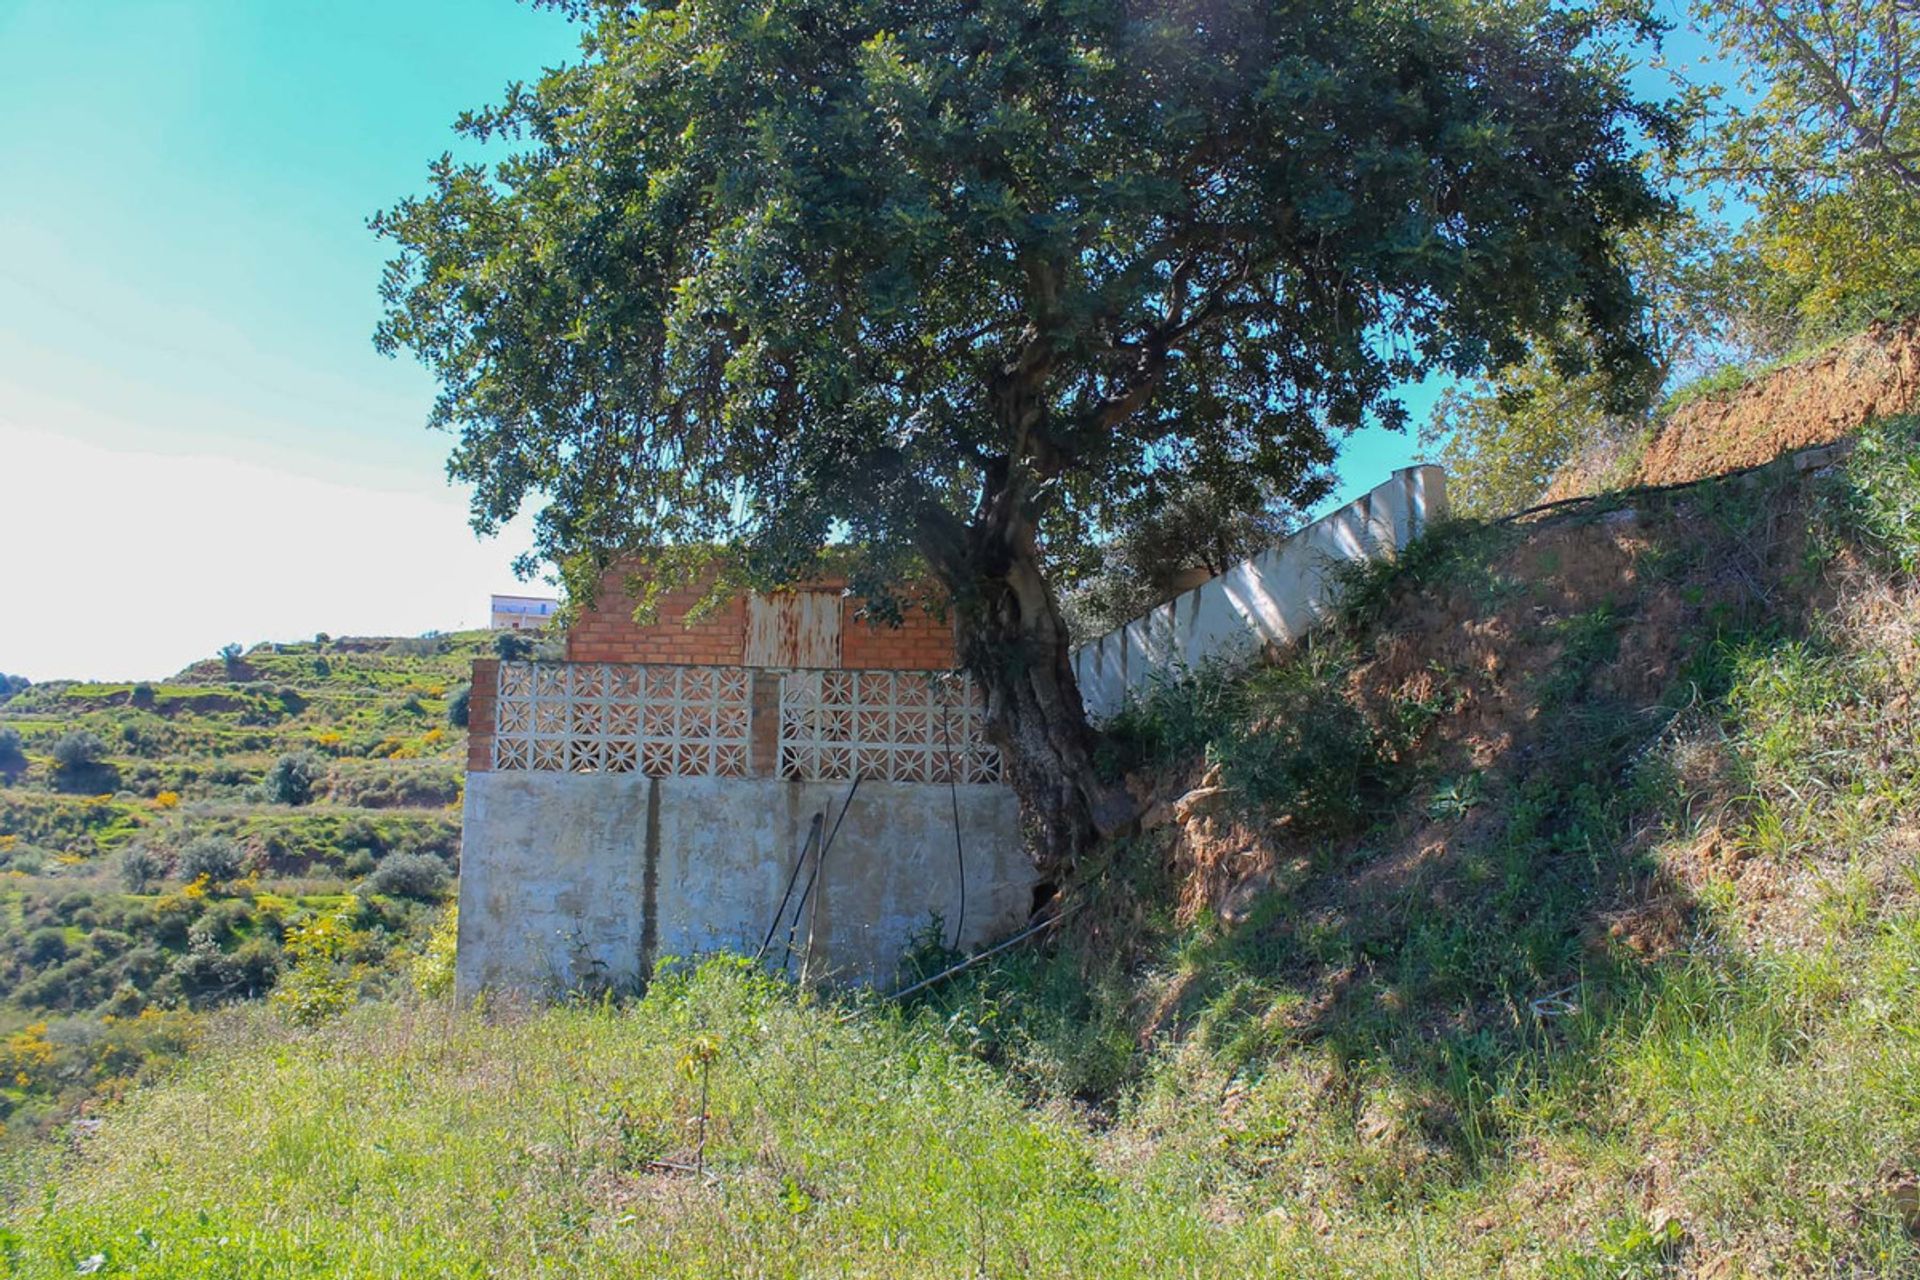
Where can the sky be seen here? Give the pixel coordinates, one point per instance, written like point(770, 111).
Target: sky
point(198, 443)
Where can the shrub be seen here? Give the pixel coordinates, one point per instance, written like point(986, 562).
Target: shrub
point(457, 706)
point(420, 876)
point(230, 656)
point(291, 779)
point(206, 975)
point(509, 646)
point(142, 695)
point(12, 758)
point(141, 868)
point(78, 752)
point(44, 946)
point(433, 968)
point(215, 857)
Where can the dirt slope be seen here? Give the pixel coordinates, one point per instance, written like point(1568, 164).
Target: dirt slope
point(1815, 401)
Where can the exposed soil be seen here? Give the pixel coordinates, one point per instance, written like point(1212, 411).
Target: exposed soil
point(1816, 401)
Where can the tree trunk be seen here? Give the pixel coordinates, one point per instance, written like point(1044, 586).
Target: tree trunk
point(1013, 640)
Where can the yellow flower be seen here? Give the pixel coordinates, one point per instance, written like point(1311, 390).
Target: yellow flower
point(166, 800)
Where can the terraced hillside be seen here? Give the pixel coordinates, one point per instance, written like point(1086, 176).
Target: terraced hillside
point(284, 819)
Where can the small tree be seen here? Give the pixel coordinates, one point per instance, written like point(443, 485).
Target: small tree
point(218, 858)
point(141, 868)
point(1204, 529)
point(79, 762)
point(511, 646)
point(291, 779)
point(230, 656)
point(458, 705)
point(13, 758)
point(419, 876)
point(953, 283)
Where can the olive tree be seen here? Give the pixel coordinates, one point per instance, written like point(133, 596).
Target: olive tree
point(943, 283)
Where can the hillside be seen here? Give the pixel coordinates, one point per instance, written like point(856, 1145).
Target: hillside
point(1745, 417)
point(161, 842)
point(1557, 914)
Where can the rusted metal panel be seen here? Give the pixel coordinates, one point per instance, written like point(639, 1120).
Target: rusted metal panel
point(793, 629)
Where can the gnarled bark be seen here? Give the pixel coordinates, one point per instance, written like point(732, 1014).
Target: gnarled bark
point(1014, 641)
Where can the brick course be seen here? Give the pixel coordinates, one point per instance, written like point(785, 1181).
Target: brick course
point(608, 633)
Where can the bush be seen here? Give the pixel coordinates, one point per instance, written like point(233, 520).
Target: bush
point(432, 970)
point(215, 857)
point(457, 706)
point(142, 695)
point(291, 779)
point(141, 868)
point(12, 758)
point(509, 646)
point(44, 946)
point(78, 752)
point(420, 876)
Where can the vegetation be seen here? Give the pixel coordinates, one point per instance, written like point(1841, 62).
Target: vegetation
point(1818, 136)
point(1567, 948)
point(164, 845)
point(951, 285)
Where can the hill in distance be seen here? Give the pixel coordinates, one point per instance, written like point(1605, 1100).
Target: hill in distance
point(162, 842)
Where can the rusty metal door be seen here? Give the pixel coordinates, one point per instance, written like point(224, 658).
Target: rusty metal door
point(793, 629)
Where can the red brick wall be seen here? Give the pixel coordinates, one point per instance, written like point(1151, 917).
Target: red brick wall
point(922, 642)
point(608, 633)
point(486, 682)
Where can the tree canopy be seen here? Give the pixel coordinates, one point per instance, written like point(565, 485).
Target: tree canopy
point(950, 283)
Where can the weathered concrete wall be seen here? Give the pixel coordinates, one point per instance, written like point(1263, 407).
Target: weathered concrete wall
point(569, 879)
point(1272, 599)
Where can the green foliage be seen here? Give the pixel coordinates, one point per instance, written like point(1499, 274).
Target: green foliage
point(1882, 502)
point(432, 971)
point(1283, 739)
point(1164, 540)
point(1030, 266)
point(218, 858)
point(12, 758)
point(141, 868)
point(1821, 137)
point(78, 753)
point(325, 978)
point(457, 705)
point(410, 875)
point(292, 778)
point(511, 646)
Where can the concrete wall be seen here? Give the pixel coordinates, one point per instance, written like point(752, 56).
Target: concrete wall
point(570, 879)
point(1272, 599)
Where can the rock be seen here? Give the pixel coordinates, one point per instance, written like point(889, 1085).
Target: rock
point(1197, 803)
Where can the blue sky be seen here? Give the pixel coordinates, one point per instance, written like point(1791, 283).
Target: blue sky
point(198, 442)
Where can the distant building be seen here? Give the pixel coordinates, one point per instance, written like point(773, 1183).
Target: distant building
point(523, 613)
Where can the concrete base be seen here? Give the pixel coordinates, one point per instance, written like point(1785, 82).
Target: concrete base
point(571, 881)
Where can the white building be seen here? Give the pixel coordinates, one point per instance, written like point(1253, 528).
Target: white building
point(523, 613)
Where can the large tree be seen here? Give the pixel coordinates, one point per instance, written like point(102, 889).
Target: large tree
point(940, 282)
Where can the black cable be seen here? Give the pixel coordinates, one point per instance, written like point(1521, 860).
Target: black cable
point(818, 861)
point(953, 794)
point(773, 926)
